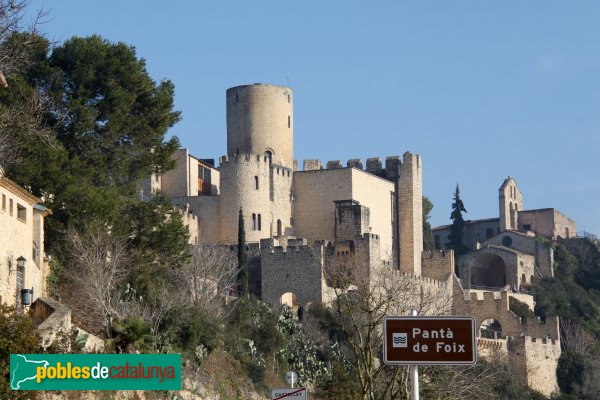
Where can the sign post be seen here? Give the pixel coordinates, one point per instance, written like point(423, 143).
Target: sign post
point(415, 370)
point(428, 341)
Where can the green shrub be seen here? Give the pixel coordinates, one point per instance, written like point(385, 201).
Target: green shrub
point(519, 308)
point(17, 336)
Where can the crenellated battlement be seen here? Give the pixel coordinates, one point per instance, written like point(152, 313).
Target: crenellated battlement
point(531, 341)
point(244, 158)
point(491, 298)
point(423, 279)
point(374, 165)
point(438, 264)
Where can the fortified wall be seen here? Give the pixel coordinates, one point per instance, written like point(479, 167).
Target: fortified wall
point(534, 361)
point(294, 269)
point(494, 305)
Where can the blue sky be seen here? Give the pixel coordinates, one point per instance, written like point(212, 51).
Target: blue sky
point(481, 90)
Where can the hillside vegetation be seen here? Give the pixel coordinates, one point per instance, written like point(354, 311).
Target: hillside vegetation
point(574, 295)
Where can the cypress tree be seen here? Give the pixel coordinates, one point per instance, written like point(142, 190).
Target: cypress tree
point(457, 230)
point(242, 257)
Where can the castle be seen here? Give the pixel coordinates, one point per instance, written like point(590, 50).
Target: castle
point(298, 220)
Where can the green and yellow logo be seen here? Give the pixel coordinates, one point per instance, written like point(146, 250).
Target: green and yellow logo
point(95, 371)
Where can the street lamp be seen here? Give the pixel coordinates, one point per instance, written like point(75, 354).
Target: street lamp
point(26, 294)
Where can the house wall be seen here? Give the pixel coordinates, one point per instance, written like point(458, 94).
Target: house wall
point(17, 237)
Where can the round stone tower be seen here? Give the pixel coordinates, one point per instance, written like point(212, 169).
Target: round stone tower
point(245, 184)
point(260, 120)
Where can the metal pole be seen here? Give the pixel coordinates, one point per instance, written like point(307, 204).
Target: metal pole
point(415, 371)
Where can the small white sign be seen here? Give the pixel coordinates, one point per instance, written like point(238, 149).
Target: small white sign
point(291, 378)
point(399, 340)
point(291, 394)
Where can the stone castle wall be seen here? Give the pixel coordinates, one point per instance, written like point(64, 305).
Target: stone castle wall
point(281, 201)
point(564, 226)
point(437, 265)
point(543, 254)
point(534, 362)
point(238, 174)
point(291, 269)
point(410, 212)
point(175, 183)
point(260, 118)
point(495, 305)
point(314, 195)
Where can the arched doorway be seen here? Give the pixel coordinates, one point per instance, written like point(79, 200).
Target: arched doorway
point(488, 271)
point(490, 329)
point(290, 299)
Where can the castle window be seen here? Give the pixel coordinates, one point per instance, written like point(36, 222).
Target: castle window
point(291, 221)
point(277, 171)
point(289, 121)
point(278, 227)
point(204, 181)
point(10, 206)
point(259, 222)
point(254, 225)
point(3, 202)
point(289, 98)
point(256, 183)
point(21, 213)
point(527, 227)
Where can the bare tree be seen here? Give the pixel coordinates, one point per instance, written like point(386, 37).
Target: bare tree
point(95, 273)
point(465, 382)
point(24, 117)
point(362, 296)
point(574, 339)
point(207, 277)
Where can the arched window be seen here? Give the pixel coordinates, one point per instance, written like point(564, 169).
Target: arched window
point(278, 227)
point(256, 183)
point(254, 226)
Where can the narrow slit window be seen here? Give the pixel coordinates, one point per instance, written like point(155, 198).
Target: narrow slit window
point(253, 222)
point(259, 222)
point(256, 183)
point(289, 121)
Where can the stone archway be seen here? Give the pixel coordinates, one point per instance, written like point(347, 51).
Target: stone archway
point(488, 271)
point(490, 329)
point(290, 299)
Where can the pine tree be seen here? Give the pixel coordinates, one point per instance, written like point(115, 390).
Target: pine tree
point(242, 257)
point(428, 243)
point(457, 229)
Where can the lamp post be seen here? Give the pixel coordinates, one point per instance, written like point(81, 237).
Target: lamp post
point(26, 294)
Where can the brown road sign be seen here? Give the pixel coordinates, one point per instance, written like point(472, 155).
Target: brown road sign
point(429, 340)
